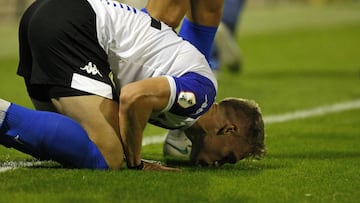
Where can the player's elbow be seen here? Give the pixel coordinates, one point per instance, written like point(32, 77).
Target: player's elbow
point(127, 96)
point(131, 96)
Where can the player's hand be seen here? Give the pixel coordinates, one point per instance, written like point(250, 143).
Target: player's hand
point(157, 166)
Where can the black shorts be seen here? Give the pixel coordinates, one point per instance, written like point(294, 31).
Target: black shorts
point(59, 47)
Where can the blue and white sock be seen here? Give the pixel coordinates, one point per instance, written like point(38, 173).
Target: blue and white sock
point(47, 135)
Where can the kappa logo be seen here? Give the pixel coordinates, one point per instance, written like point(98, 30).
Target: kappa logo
point(91, 68)
point(186, 99)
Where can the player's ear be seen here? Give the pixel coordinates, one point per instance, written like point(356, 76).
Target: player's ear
point(228, 129)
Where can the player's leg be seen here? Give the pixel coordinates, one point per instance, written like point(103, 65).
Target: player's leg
point(232, 13)
point(96, 114)
point(64, 46)
point(204, 12)
point(169, 11)
point(225, 50)
point(99, 117)
point(200, 25)
point(48, 136)
point(198, 28)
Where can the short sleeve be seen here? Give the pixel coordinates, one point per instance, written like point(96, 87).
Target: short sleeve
point(191, 95)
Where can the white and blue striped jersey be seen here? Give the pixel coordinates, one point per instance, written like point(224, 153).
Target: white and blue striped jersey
point(140, 47)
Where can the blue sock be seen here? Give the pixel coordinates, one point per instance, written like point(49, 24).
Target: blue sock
point(50, 136)
point(202, 37)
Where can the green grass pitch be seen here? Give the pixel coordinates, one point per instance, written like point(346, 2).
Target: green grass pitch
point(295, 58)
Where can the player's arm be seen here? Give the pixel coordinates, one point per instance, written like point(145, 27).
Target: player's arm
point(137, 101)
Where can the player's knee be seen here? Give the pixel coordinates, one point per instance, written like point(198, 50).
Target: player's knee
point(205, 6)
point(206, 13)
point(116, 164)
point(170, 12)
point(113, 154)
point(173, 22)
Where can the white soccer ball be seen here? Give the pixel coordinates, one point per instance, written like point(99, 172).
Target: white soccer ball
point(177, 145)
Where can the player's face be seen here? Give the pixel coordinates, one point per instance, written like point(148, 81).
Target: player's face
point(216, 150)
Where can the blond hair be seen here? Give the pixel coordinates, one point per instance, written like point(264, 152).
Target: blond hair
point(256, 131)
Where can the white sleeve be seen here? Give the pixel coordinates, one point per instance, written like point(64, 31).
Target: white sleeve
point(172, 97)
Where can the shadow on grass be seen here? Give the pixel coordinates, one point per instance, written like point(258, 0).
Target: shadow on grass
point(244, 165)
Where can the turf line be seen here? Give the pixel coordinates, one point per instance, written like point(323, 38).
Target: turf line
point(301, 114)
point(318, 111)
point(10, 165)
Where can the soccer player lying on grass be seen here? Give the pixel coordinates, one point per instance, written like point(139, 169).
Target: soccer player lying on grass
point(69, 51)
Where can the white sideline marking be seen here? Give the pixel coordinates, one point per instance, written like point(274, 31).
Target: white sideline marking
point(322, 110)
point(153, 139)
point(10, 165)
point(5, 168)
point(301, 114)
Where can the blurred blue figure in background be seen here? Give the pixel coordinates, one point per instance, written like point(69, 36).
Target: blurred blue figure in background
point(225, 50)
point(232, 12)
